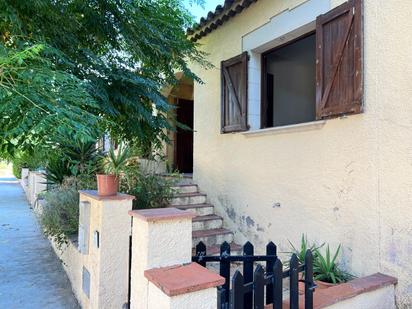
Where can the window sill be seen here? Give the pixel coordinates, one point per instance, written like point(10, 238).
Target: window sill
point(300, 127)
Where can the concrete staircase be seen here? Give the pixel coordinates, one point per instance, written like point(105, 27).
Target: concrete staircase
point(207, 226)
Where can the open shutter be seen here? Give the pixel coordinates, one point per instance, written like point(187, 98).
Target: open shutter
point(339, 71)
point(234, 94)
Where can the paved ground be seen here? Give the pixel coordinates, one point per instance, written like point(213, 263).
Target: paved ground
point(31, 275)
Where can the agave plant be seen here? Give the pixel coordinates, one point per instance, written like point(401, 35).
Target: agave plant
point(327, 269)
point(304, 246)
point(115, 162)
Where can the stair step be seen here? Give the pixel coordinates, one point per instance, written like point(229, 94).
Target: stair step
point(186, 188)
point(200, 209)
point(212, 237)
point(207, 222)
point(182, 179)
point(188, 199)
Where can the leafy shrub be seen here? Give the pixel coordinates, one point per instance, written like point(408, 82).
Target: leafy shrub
point(16, 167)
point(57, 169)
point(60, 216)
point(32, 160)
point(151, 190)
point(83, 157)
point(72, 158)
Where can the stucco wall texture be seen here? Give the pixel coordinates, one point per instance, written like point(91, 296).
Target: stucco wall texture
point(347, 182)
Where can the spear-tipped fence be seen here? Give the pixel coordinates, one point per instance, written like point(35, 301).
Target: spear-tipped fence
point(257, 286)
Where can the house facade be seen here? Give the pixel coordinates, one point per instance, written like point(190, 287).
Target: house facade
point(304, 125)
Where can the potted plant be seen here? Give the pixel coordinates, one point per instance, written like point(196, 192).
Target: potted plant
point(326, 270)
point(114, 163)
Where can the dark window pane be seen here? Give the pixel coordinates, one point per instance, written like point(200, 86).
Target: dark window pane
point(292, 70)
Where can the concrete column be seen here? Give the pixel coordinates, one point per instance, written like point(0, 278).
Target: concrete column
point(182, 286)
point(162, 273)
point(40, 185)
point(36, 183)
point(30, 186)
point(105, 240)
point(24, 181)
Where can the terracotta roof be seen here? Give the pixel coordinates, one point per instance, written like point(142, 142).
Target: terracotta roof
point(217, 18)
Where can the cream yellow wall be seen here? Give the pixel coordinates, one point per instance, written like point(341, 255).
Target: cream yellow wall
point(348, 181)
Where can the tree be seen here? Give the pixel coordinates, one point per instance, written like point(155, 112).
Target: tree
point(40, 104)
point(80, 67)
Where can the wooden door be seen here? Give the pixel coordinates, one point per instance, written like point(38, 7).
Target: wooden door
point(184, 138)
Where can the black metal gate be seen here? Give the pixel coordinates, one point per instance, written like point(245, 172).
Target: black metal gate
point(257, 286)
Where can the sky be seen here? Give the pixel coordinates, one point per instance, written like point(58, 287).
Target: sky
point(198, 11)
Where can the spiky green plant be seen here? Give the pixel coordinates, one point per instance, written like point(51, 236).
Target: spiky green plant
point(304, 246)
point(115, 162)
point(327, 269)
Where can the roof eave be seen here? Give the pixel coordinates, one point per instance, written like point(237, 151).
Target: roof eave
point(217, 18)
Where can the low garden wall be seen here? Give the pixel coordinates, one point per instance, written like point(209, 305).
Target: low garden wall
point(160, 272)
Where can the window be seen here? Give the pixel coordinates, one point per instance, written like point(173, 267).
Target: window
point(289, 83)
point(316, 76)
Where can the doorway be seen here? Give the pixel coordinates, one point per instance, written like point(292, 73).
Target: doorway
point(184, 138)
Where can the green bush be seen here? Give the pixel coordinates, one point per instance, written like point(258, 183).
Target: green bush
point(32, 160)
point(151, 190)
point(72, 158)
point(16, 167)
point(60, 216)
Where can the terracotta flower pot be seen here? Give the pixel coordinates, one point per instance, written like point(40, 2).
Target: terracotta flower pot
point(107, 185)
point(301, 288)
point(324, 285)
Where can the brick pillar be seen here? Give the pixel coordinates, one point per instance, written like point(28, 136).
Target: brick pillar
point(104, 237)
point(162, 273)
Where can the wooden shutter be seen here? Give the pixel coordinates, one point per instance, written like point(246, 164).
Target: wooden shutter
point(339, 72)
point(234, 94)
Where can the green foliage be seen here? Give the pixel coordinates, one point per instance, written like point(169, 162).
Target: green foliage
point(83, 157)
point(80, 67)
point(150, 189)
point(304, 246)
point(72, 158)
point(33, 160)
point(327, 269)
point(39, 103)
point(60, 216)
point(16, 168)
point(57, 169)
point(115, 162)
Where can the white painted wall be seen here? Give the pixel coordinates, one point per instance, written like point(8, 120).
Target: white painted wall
point(346, 181)
point(157, 244)
point(203, 299)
